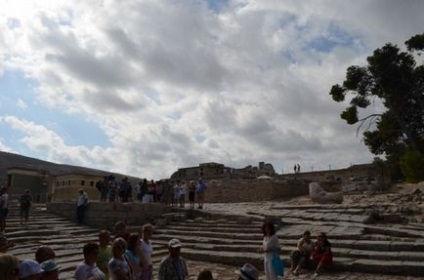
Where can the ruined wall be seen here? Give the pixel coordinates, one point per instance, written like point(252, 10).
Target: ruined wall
point(239, 190)
point(70, 193)
point(104, 215)
point(365, 170)
point(219, 191)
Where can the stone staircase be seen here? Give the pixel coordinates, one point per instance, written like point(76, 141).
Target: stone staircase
point(390, 249)
point(216, 237)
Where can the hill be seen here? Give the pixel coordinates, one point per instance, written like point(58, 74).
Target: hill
point(9, 160)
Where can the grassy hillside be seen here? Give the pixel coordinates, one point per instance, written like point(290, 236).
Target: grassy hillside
point(8, 160)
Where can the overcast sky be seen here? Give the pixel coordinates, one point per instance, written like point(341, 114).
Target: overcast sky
point(146, 87)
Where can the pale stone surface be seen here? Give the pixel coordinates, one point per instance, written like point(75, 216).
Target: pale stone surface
point(225, 272)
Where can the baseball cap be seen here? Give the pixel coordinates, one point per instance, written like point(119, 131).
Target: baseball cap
point(49, 266)
point(29, 267)
point(174, 243)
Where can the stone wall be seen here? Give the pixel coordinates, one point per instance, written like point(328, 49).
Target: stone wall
point(70, 193)
point(364, 170)
point(239, 190)
point(219, 191)
point(105, 215)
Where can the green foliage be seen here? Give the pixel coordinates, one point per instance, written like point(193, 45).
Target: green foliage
point(338, 93)
point(412, 164)
point(415, 43)
point(350, 115)
point(393, 79)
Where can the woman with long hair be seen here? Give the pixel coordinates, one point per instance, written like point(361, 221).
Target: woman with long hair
point(146, 252)
point(270, 246)
point(321, 254)
point(8, 267)
point(132, 255)
point(118, 266)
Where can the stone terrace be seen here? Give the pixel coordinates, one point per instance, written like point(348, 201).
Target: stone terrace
point(225, 236)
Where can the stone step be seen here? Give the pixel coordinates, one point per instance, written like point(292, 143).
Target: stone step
point(223, 238)
point(394, 267)
point(218, 223)
point(286, 249)
point(234, 240)
point(241, 236)
point(215, 228)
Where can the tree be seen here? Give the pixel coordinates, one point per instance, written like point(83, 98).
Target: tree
point(392, 77)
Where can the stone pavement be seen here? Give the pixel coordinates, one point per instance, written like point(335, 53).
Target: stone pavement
point(226, 272)
point(224, 236)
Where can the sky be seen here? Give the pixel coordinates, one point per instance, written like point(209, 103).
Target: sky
point(145, 87)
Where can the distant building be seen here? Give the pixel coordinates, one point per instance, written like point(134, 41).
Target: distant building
point(37, 181)
point(66, 186)
point(212, 170)
point(44, 186)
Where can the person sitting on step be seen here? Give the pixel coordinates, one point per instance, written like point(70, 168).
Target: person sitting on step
point(301, 257)
point(321, 254)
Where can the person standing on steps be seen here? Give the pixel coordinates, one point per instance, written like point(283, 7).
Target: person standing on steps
point(146, 250)
point(173, 266)
point(87, 269)
point(270, 246)
point(81, 205)
point(200, 193)
point(191, 193)
point(4, 209)
point(105, 252)
point(25, 201)
point(132, 256)
point(29, 270)
point(118, 266)
point(50, 270)
point(182, 194)
point(9, 267)
point(44, 253)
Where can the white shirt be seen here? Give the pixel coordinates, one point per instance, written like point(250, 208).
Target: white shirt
point(84, 271)
point(4, 200)
point(146, 251)
point(271, 244)
point(183, 189)
point(82, 199)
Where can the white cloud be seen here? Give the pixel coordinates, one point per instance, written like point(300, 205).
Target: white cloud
point(174, 84)
point(21, 104)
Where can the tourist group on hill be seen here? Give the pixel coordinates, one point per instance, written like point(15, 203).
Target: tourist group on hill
point(172, 193)
point(128, 256)
point(167, 192)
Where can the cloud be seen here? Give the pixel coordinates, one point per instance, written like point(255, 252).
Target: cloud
point(21, 104)
point(174, 84)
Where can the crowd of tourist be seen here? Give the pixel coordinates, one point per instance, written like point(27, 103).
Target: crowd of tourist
point(165, 191)
point(128, 256)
